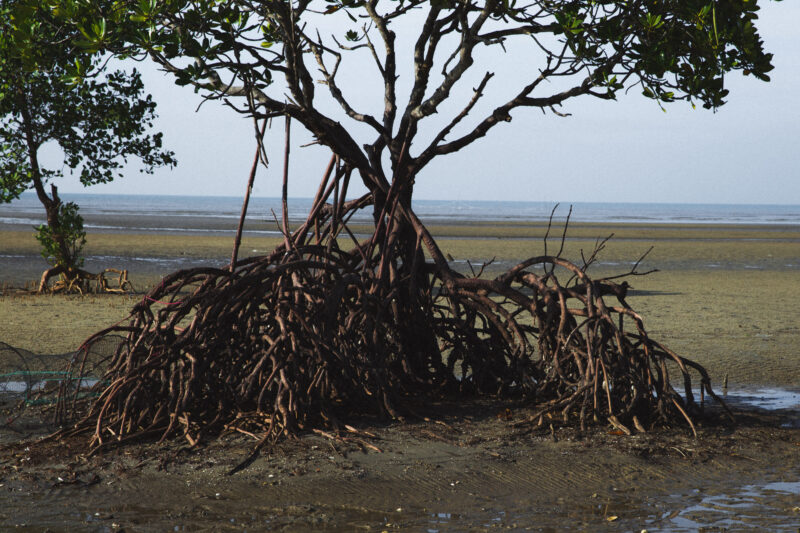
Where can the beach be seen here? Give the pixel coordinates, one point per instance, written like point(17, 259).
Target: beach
point(724, 295)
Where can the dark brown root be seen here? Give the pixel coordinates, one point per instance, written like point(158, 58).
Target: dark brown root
point(314, 334)
point(308, 337)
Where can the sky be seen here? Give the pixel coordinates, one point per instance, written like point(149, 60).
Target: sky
point(624, 151)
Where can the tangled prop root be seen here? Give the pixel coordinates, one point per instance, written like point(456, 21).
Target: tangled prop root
point(313, 334)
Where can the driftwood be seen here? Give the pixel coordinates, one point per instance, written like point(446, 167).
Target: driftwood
point(80, 281)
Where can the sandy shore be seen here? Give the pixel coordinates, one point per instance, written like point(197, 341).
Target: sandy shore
point(724, 296)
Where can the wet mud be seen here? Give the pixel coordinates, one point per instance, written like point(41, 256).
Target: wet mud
point(473, 467)
point(470, 467)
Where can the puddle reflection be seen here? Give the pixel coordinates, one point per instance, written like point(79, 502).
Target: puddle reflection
point(769, 507)
point(766, 398)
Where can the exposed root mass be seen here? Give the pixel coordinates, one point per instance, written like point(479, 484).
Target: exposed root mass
point(313, 334)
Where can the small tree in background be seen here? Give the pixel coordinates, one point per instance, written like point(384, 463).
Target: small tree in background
point(98, 123)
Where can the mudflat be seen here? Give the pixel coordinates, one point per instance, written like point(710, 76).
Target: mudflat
point(724, 296)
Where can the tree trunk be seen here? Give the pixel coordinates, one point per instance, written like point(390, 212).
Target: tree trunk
point(403, 273)
point(51, 204)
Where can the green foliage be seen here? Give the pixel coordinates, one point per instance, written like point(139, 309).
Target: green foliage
point(98, 125)
point(62, 244)
point(236, 50)
point(98, 122)
point(53, 90)
point(674, 50)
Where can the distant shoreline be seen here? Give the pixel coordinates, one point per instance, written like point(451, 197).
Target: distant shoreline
point(70, 195)
point(678, 247)
point(181, 213)
point(441, 226)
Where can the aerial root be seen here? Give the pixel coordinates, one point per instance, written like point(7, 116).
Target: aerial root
point(313, 334)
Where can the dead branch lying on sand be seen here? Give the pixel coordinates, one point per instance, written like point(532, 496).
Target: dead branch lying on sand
point(313, 334)
point(76, 280)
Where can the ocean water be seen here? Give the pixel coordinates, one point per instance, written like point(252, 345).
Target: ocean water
point(175, 213)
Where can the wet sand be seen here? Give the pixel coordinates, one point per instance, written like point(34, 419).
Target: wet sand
point(465, 470)
point(724, 296)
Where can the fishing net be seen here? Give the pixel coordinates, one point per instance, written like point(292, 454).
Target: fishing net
point(30, 379)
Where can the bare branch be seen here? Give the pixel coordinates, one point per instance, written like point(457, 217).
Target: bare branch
point(330, 80)
point(530, 29)
point(423, 62)
point(389, 70)
point(468, 42)
point(374, 53)
point(478, 93)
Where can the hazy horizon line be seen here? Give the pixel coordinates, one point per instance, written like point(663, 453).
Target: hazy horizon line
point(551, 202)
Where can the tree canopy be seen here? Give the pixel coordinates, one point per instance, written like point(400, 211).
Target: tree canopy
point(277, 56)
point(97, 124)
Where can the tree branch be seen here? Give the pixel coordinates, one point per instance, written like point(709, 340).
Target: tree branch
point(427, 154)
point(330, 80)
point(501, 114)
point(389, 70)
point(468, 42)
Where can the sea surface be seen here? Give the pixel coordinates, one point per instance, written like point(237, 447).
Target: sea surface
point(220, 214)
